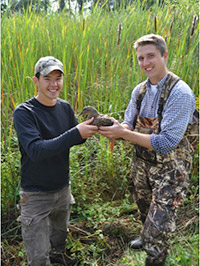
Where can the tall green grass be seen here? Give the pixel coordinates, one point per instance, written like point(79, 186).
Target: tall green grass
point(100, 69)
point(99, 63)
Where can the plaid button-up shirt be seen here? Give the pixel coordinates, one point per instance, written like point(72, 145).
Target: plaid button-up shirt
point(176, 115)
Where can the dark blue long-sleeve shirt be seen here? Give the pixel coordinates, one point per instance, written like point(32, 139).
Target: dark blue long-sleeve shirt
point(45, 135)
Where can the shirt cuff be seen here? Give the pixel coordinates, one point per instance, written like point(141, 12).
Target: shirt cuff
point(154, 144)
point(127, 123)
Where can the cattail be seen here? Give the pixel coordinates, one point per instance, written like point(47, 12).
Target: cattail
point(194, 20)
point(155, 24)
point(171, 26)
point(119, 33)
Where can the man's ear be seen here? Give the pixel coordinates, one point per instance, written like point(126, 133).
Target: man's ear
point(35, 79)
point(165, 55)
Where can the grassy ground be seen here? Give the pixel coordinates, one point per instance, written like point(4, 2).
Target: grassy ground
point(106, 242)
point(105, 217)
point(101, 70)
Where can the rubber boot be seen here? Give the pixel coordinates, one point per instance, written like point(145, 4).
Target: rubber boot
point(148, 263)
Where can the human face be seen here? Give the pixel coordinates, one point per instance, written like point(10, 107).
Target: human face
point(49, 87)
point(151, 62)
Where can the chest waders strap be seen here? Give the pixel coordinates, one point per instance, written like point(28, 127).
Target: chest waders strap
point(140, 96)
point(142, 152)
point(170, 82)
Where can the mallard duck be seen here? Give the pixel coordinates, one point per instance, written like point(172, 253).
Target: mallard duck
point(99, 119)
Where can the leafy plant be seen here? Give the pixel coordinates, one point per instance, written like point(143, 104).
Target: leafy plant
point(101, 70)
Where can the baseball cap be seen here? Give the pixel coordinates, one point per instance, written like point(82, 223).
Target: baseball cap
point(47, 64)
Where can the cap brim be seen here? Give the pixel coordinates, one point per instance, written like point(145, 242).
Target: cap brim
point(49, 69)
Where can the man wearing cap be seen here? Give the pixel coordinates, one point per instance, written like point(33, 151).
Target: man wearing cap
point(47, 128)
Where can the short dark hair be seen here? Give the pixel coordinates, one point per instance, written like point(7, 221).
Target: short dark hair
point(154, 39)
point(37, 75)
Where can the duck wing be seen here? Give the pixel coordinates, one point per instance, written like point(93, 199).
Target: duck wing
point(102, 121)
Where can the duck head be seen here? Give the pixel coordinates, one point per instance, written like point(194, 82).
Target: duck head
point(90, 111)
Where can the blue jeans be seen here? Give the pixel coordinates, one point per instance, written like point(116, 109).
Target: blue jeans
point(44, 220)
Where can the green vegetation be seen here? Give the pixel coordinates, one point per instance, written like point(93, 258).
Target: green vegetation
point(101, 70)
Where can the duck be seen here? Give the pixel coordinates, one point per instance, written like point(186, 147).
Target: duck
point(99, 119)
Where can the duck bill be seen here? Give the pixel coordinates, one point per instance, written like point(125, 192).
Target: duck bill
point(80, 113)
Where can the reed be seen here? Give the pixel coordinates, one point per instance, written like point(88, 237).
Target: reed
point(101, 70)
point(99, 62)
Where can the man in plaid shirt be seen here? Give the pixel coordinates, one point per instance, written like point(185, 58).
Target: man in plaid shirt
point(162, 153)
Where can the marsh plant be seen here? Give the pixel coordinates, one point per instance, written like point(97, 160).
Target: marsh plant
point(100, 70)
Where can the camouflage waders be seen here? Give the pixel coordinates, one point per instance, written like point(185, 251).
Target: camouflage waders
point(160, 184)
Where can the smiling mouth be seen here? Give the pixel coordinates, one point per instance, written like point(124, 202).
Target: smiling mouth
point(149, 68)
point(53, 91)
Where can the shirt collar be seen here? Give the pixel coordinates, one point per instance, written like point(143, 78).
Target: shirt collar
point(160, 83)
